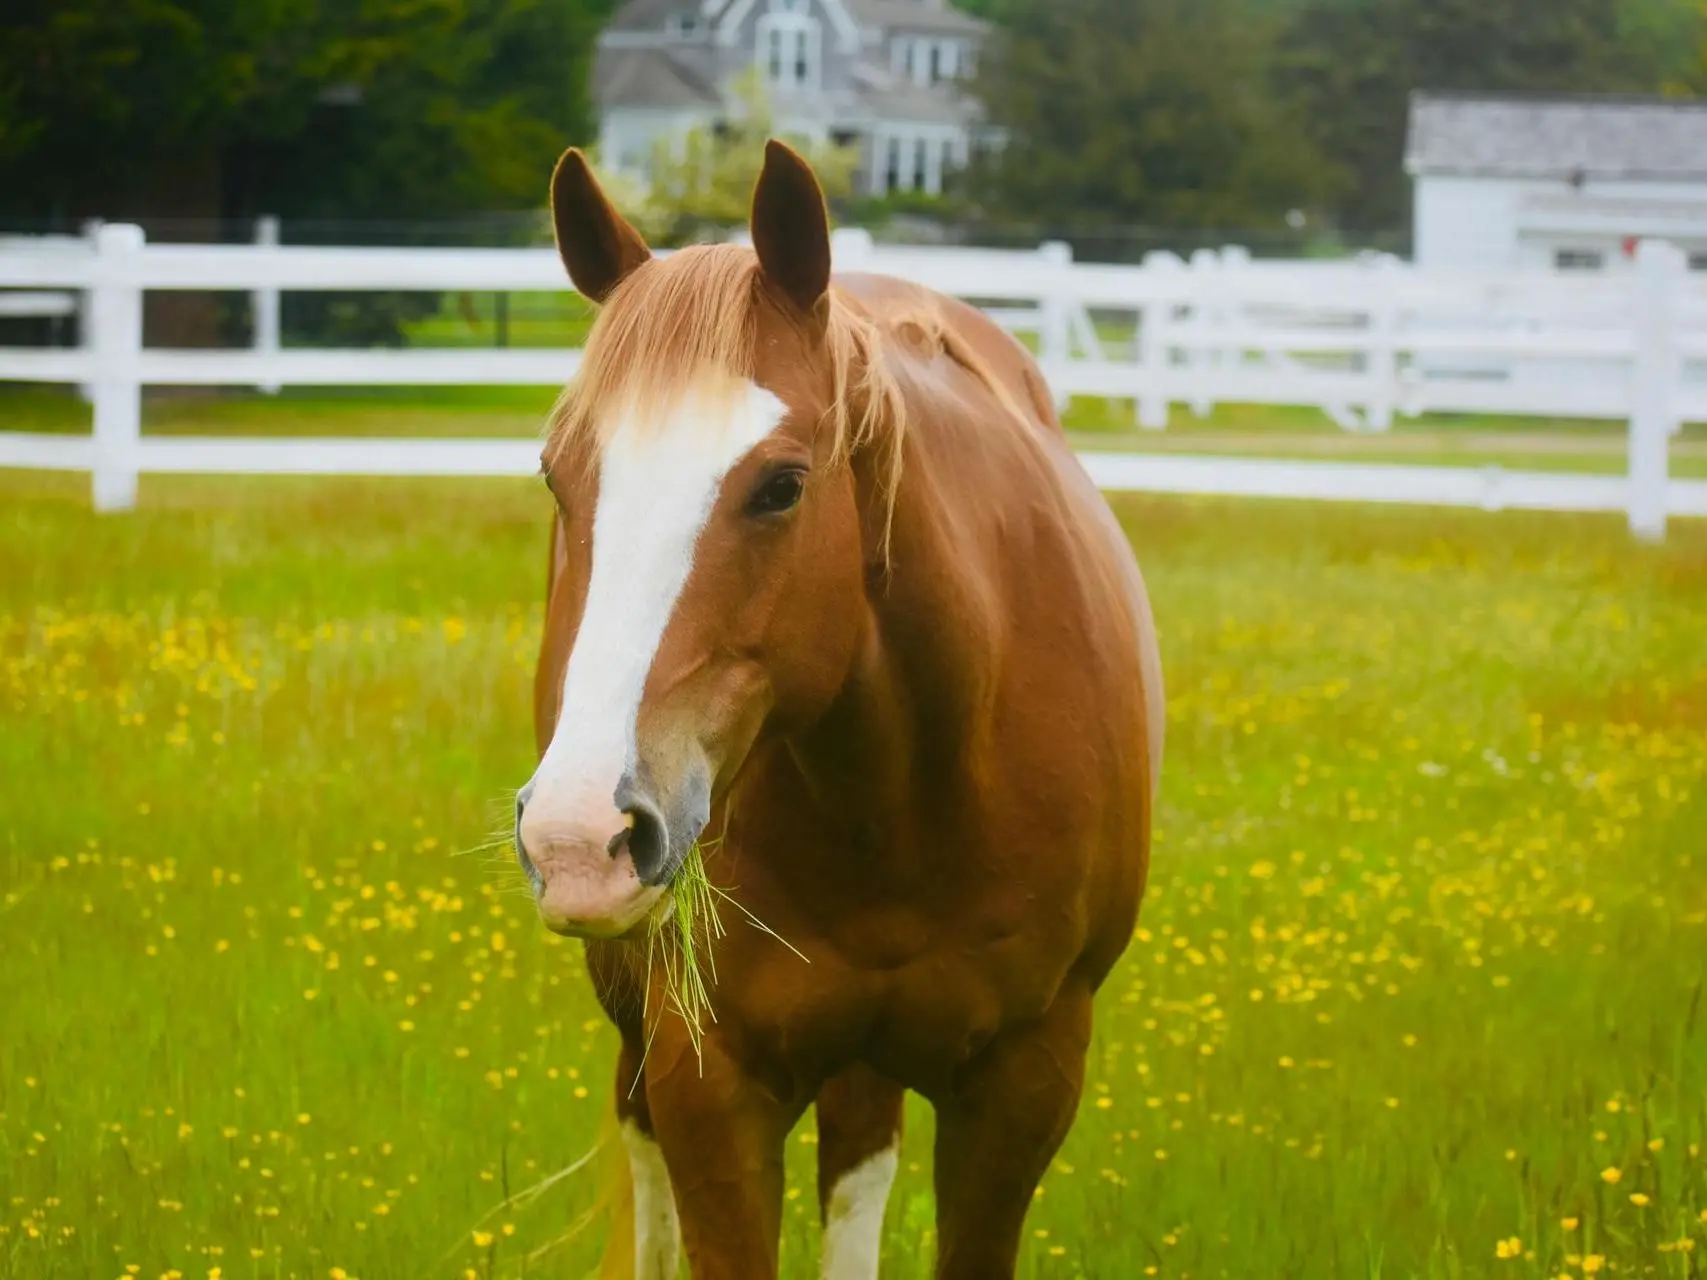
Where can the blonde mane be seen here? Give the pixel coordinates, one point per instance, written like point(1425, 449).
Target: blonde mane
point(686, 323)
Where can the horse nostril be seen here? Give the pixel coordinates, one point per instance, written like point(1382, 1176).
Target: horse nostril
point(522, 798)
point(648, 843)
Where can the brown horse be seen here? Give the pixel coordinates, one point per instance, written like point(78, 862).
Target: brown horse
point(831, 596)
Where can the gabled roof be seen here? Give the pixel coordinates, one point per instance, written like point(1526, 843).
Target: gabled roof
point(883, 95)
point(1539, 136)
point(653, 77)
point(648, 15)
point(733, 14)
point(916, 15)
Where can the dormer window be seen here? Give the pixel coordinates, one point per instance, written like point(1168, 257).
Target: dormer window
point(684, 26)
point(790, 45)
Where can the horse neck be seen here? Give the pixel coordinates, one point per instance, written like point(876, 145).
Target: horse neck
point(908, 724)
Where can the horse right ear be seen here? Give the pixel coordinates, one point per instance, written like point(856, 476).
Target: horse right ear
point(598, 246)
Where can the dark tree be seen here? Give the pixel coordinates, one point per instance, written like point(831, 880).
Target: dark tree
point(1141, 111)
point(1350, 66)
point(163, 109)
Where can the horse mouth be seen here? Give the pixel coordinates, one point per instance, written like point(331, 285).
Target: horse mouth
point(584, 891)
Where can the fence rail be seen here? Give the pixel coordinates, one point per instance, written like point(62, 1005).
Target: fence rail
point(1364, 340)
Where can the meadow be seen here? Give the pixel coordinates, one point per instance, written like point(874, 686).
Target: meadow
point(1416, 992)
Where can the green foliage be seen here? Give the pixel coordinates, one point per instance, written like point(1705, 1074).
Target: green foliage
point(1226, 113)
point(203, 108)
point(701, 183)
point(1152, 112)
point(1350, 66)
point(875, 211)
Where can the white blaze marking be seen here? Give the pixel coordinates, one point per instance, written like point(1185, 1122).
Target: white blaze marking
point(657, 485)
point(853, 1228)
point(657, 1233)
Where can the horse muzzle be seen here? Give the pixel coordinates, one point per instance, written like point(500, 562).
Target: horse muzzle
point(602, 870)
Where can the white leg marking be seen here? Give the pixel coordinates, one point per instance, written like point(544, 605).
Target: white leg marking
point(658, 483)
point(853, 1229)
point(657, 1233)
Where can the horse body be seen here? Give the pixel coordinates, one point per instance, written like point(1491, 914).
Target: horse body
point(943, 803)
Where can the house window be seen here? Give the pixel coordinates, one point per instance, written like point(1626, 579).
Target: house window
point(936, 62)
point(1698, 261)
point(919, 166)
point(790, 44)
point(892, 169)
point(684, 26)
point(1578, 260)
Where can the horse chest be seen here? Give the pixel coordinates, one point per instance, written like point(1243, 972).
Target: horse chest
point(912, 1005)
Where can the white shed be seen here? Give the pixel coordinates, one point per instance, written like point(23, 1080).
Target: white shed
point(1569, 183)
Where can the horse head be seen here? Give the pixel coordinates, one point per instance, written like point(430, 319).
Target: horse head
point(719, 465)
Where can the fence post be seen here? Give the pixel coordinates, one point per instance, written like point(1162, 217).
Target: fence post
point(1200, 355)
point(86, 310)
point(1056, 336)
point(266, 302)
point(1660, 269)
point(1235, 261)
point(1383, 367)
point(115, 336)
point(1155, 343)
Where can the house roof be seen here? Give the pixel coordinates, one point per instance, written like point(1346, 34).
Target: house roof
point(648, 15)
point(916, 15)
point(1534, 136)
point(885, 96)
point(901, 15)
point(653, 77)
point(638, 67)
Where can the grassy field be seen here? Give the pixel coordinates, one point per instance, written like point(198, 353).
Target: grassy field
point(1258, 431)
point(1417, 991)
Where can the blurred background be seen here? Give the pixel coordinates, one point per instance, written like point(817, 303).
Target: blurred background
point(1383, 324)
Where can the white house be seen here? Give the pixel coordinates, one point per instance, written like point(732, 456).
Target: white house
point(885, 75)
point(1569, 183)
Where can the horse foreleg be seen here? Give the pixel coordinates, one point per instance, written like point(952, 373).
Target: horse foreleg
point(859, 1143)
point(997, 1132)
point(722, 1133)
point(657, 1232)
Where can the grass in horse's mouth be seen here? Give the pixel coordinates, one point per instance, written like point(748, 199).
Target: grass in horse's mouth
point(679, 941)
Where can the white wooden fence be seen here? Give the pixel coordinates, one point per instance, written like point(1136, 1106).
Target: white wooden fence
point(1364, 340)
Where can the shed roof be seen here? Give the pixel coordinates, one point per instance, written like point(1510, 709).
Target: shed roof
point(1539, 136)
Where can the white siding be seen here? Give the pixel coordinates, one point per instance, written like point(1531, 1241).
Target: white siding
point(627, 135)
point(1465, 222)
point(1528, 222)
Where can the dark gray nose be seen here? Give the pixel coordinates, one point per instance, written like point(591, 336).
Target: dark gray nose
point(531, 871)
point(663, 833)
point(659, 836)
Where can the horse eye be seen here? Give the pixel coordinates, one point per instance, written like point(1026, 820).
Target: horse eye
point(777, 493)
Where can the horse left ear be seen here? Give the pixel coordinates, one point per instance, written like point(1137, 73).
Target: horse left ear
point(598, 246)
point(791, 227)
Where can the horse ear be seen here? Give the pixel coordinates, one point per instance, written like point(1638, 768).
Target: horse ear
point(598, 246)
point(791, 227)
